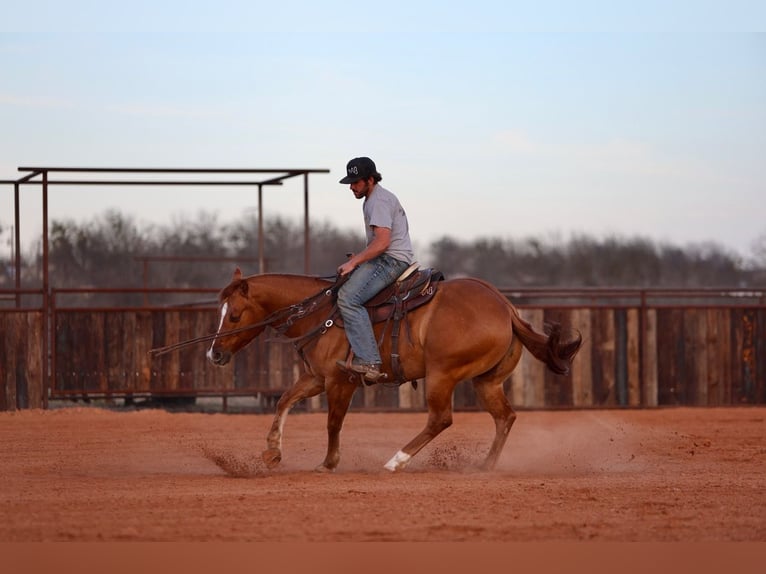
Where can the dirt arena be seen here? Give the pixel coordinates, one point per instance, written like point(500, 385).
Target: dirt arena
point(90, 474)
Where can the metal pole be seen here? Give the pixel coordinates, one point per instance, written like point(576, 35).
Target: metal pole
point(642, 320)
point(306, 248)
point(146, 281)
point(47, 327)
point(17, 241)
point(261, 260)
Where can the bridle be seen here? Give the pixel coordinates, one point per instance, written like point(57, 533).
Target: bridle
point(280, 320)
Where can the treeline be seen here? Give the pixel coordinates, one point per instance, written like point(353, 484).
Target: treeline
point(584, 261)
point(114, 250)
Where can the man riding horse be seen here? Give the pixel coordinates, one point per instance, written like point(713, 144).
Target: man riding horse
point(468, 331)
point(387, 255)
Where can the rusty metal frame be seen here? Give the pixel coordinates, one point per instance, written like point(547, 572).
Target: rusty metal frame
point(47, 176)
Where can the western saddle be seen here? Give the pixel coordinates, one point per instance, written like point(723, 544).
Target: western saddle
point(413, 288)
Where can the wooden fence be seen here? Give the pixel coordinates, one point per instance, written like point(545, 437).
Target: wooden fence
point(633, 356)
point(21, 359)
point(661, 356)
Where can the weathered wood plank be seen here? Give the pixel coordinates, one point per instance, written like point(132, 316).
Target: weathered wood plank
point(246, 367)
point(760, 356)
point(749, 356)
point(142, 371)
point(516, 385)
point(695, 357)
point(670, 357)
point(650, 390)
point(69, 374)
point(166, 371)
point(8, 360)
point(621, 356)
point(9, 357)
point(582, 370)
point(411, 397)
point(743, 354)
point(633, 358)
point(186, 356)
point(717, 343)
point(89, 351)
point(528, 379)
point(21, 376)
point(119, 328)
point(602, 330)
point(558, 388)
point(32, 372)
point(727, 356)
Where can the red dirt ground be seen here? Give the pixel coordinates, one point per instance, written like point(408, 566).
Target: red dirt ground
point(89, 474)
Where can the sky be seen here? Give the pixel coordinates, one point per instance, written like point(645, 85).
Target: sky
point(490, 119)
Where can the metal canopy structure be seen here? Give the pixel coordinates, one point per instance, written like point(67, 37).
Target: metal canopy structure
point(87, 176)
point(44, 177)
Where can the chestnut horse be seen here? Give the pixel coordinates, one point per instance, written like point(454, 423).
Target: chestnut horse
point(468, 331)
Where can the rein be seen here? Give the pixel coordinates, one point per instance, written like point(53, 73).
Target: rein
point(288, 314)
point(175, 346)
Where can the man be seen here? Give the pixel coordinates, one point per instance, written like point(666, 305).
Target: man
point(386, 257)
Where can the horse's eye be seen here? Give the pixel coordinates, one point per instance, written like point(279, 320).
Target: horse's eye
point(234, 318)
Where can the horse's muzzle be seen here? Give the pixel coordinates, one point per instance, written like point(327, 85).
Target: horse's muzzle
point(219, 358)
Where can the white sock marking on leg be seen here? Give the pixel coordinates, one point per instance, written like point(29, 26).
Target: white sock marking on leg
point(398, 461)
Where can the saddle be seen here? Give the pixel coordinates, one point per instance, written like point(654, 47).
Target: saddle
point(414, 288)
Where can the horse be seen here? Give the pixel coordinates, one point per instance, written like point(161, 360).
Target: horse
point(468, 331)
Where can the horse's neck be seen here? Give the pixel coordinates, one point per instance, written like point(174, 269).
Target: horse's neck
point(276, 292)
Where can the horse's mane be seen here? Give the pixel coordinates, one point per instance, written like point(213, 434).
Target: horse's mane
point(237, 283)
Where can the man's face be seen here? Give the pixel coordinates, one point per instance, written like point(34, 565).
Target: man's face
point(362, 187)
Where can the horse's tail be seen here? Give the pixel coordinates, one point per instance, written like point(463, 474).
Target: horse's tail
point(548, 348)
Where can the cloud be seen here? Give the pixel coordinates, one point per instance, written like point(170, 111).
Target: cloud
point(167, 111)
point(139, 110)
point(617, 156)
point(516, 141)
point(34, 102)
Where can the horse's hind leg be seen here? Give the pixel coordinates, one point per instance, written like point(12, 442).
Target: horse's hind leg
point(439, 399)
point(306, 386)
point(491, 396)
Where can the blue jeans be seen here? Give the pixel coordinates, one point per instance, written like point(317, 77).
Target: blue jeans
point(366, 281)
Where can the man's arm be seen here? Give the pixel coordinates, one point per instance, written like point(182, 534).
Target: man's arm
point(381, 239)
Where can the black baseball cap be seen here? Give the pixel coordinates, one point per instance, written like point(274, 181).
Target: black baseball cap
point(360, 168)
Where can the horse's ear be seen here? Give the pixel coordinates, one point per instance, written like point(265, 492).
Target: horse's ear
point(243, 285)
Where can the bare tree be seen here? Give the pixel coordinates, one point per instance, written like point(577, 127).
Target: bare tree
point(107, 252)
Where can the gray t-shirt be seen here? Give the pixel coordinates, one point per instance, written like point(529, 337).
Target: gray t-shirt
point(382, 209)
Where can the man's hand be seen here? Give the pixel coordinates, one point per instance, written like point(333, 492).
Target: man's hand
point(346, 268)
point(380, 242)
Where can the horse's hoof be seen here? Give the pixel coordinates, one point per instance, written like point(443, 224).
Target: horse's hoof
point(324, 469)
point(398, 462)
point(271, 457)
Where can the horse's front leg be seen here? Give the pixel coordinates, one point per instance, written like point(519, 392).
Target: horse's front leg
point(306, 386)
point(439, 390)
point(339, 394)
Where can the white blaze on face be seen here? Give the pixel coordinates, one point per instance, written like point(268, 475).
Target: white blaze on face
point(224, 310)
